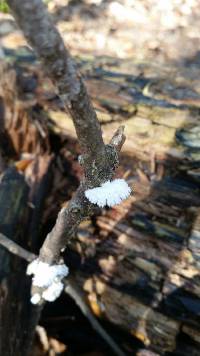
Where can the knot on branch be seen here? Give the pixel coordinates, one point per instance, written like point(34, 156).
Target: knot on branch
point(100, 169)
point(112, 157)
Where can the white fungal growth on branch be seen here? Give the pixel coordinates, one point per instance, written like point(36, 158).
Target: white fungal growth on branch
point(44, 274)
point(109, 194)
point(47, 277)
point(53, 292)
point(35, 298)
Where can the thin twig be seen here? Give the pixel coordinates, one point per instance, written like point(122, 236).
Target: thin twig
point(78, 298)
point(15, 249)
point(118, 138)
point(73, 292)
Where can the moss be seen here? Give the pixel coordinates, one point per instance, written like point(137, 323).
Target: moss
point(4, 7)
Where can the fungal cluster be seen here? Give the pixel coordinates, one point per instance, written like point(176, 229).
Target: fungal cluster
point(49, 278)
point(109, 194)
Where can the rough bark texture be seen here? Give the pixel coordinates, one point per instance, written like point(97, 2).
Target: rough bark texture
point(99, 161)
point(23, 189)
point(140, 270)
point(17, 316)
point(60, 67)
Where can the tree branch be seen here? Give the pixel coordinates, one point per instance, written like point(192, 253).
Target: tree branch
point(70, 289)
point(15, 249)
point(73, 292)
point(40, 32)
point(68, 220)
point(99, 160)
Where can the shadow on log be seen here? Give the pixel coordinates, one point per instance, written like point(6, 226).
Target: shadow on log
point(17, 316)
point(23, 188)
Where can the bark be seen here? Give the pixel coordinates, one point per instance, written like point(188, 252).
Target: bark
point(165, 128)
point(141, 270)
point(20, 212)
point(47, 43)
point(21, 131)
point(15, 308)
point(99, 161)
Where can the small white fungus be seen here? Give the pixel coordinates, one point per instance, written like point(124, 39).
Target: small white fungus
point(110, 193)
point(35, 298)
point(53, 292)
point(44, 274)
point(48, 277)
point(32, 267)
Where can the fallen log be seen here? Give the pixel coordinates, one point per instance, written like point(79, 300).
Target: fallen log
point(140, 261)
point(23, 188)
point(15, 307)
point(146, 279)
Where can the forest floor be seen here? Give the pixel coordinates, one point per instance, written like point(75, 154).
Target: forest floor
point(144, 30)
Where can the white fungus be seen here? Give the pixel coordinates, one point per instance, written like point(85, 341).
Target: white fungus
point(53, 291)
point(35, 298)
point(48, 277)
point(32, 267)
point(110, 193)
point(44, 274)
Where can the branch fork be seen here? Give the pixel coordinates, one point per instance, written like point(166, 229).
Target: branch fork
point(99, 160)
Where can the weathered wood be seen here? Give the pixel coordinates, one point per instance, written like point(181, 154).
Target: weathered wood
point(140, 265)
point(153, 122)
point(141, 270)
point(23, 189)
point(17, 316)
point(22, 131)
point(145, 286)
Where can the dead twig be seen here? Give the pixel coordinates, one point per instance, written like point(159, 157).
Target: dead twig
point(73, 292)
point(70, 289)
point(98, 160)
point(15, 249)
